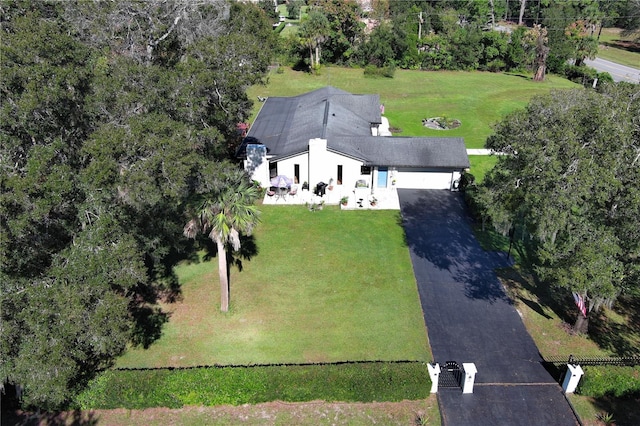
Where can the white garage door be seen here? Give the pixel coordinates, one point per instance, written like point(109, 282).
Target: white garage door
point(423, 179)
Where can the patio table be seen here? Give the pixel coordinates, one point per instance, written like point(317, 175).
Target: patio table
point(281, 193)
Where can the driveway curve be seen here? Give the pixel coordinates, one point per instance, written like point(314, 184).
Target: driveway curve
point(469, 318)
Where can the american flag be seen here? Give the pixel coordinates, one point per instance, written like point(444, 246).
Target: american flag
point(580, 304)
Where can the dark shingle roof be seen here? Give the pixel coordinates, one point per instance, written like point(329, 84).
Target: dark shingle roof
point(285, 126)
point(404, 151)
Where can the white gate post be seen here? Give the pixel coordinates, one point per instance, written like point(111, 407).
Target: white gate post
point(572, 378)
point(434, 373)
point(469, 376)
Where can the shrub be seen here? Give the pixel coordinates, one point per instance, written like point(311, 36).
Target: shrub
point(610, 380)
point(466, 179)
point(582, 74)
point(387, 71)
point(278, 29)
point(604, 77)
point(208, 386)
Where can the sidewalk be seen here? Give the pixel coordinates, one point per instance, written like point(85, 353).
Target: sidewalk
point(479, 152)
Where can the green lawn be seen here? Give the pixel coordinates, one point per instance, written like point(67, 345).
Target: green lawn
point(615, 48)
point(481, 164)
point(324, 286)
point(478, 99)
point(613, 332)
point(331, 285)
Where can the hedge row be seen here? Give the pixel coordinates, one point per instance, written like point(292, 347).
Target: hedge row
point(610, 380)
point(208, 386)
point(586, 75)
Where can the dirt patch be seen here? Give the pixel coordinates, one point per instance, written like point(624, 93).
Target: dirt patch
point(272, 413)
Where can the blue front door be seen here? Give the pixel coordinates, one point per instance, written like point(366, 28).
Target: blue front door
point(382, 177)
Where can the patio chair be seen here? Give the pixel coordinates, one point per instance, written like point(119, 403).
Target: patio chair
point(293, 192)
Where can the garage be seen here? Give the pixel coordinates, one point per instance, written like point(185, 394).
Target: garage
point(411, 178)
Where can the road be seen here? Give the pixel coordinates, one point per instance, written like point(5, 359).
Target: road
point(618, 72)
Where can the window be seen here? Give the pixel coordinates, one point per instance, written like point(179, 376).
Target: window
point(340, 174)
point(365, 170)
point(296, 173)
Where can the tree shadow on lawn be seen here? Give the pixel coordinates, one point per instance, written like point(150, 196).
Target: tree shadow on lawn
point(248, 250)
point(149, 318)
point(614, 337)
point(148, 324)
point(626, 410)
point(67, 418)
point(517, 74)
point(626, 45)
point(520, 285)
point(621, 339)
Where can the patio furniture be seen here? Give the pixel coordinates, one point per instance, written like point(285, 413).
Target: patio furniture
point(293, 192)
point(320, 189)
point(282, 193)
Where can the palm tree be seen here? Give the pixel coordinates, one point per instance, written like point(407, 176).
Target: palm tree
point(224, 214)
point(314, 31)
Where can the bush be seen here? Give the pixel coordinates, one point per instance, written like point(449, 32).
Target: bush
point(278, 29)
point(610, 381)
point(209, 386)
point(604, 77)
point(465, 180)
point(586, 75)
point(387, 71)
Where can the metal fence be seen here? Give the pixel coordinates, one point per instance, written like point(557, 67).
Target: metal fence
point(630, 361)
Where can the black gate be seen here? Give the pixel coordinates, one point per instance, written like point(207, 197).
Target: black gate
point(451, 375)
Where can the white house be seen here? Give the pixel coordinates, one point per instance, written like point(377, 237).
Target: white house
point(335, 137)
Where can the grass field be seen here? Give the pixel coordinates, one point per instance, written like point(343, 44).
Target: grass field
point(478, 99)
point(615, 48)
point(614, 332)
point(325, 286)
point(481, 164)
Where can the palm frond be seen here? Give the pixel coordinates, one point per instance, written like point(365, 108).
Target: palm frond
point(192, 228)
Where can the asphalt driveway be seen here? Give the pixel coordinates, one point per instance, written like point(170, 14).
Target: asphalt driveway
point(469, 318)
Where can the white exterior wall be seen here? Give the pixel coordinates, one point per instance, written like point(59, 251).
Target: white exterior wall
point(325, 171)
point(287, 167)
point(424, 179)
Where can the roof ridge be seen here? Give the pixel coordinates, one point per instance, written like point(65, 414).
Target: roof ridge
point(325, 120)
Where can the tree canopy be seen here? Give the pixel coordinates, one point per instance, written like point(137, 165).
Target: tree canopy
point(462, 35)
point(568, 180)
point(113, 116)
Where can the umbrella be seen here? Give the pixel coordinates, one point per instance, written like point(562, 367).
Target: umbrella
point(281, 181)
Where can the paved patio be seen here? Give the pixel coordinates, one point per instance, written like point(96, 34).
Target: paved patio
point(386, 198)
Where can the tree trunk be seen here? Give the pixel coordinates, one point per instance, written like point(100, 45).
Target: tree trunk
point(582, 324)
point(600, 31)
point(318, 54)
point(523, 4)
point(542, 52)
point(540, 72)
point(311, 56)
point(224, 276)
point(493, 15)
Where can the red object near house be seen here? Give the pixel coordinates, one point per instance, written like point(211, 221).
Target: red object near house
point(242, 129)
